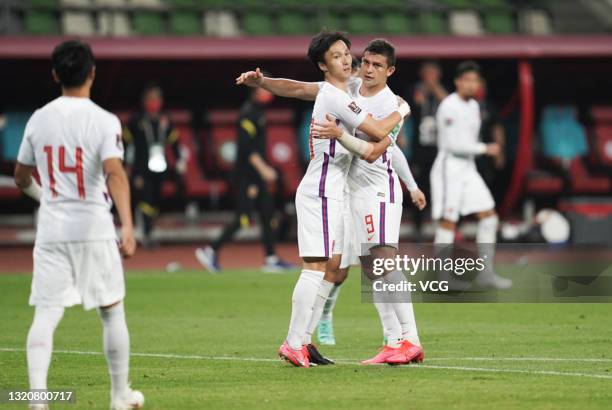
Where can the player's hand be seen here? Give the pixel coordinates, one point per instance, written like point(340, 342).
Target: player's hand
point(181, 166)
point(500, 161)
point(326, 130)
point(269, 175)
point(251, 78)
point(493, 149)
point(128, 242)
point(418, 199)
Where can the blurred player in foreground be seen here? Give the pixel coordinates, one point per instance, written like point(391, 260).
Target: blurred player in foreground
point(252, 174)
point(319, 201)
point(76, 147)
point(457, 188)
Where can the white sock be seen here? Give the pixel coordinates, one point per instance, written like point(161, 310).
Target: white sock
point(328, 309)
point(404, 312)
point(486, 237)
point(271, 259)
point(392, 330)
point(317, 310)
point(116, 347)
point(302, 302)
point(40, 344)
point(444, 235)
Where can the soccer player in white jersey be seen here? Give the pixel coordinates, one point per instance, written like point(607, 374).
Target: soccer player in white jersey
point(457, 189)
point(377, 189)
point(77, 149)
point(319, 199)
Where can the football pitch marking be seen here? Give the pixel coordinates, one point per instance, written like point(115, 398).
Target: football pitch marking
point(356, 362)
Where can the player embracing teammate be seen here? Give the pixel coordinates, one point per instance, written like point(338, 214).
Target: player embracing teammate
point(345, 106)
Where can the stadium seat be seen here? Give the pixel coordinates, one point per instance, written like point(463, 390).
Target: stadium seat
point(185, 23)
point(257, 24)
point(77, 23)
point(282, 150)
point(535, 22)
point(329, 20)
point(464, 23)
point(361, 23)
point(223, 138)
point(147, 23)
point(499, 22)
point(39, 4)
point(396, 23)
point(221, 24)
point(183, 4)
point(292, 23)
point(115, 21)
point(458, 4)
point(41, 22)
point(432, 23)
point(196, 184)
point(148, 4)
point(583, 182)
point(563, 137)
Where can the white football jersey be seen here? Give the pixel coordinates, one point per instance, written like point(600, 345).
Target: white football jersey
point(376, 181)
point(330, 161)
point(458, 124)
point(67, 140)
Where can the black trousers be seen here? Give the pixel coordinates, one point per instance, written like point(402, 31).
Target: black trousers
point(148, 198)
point(262, 204)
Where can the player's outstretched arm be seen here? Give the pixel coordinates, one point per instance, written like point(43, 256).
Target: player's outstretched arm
point(119, 189)
point(281, 87)
point(379, 129)
point(25, 182)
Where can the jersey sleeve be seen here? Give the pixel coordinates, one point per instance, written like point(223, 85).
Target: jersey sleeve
point(346, 110)
point(26, 149)
point(112, 142)
point(400, 164)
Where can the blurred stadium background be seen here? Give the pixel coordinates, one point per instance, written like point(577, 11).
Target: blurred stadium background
point(547, 65)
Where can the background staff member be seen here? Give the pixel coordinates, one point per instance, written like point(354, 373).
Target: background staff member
point(146, 136)
point(252, 174)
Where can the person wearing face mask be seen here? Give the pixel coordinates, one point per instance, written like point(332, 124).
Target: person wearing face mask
point(146, 136)
point(252, 174)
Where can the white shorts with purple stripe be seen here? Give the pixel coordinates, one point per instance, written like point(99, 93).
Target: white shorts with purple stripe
point(375, 223)
point(319, 226)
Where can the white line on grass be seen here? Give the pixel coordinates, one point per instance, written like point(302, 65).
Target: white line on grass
point(354, 362)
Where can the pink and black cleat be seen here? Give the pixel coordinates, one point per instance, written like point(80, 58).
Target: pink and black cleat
point(407, 353)
point(298, 358)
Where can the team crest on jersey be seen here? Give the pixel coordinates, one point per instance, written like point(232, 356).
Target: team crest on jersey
point(354, 107)
point(119, 142)
point(448, 121)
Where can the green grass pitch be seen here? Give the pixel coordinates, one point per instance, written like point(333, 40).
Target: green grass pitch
point(201, 341)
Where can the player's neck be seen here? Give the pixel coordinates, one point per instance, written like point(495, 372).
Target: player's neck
point(338, 83)
point(464, 97)
point(79, 92)
point(371, 91)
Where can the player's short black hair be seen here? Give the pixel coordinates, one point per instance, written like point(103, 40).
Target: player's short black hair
point(72, 61)
point(467, 67)
point(322, 42)
point(151, 87)
point(355, 63)
point(382, 47)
